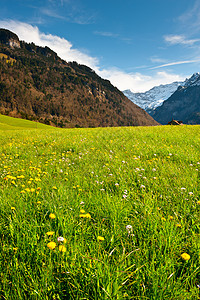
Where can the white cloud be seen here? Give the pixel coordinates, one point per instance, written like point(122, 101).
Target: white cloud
point(180, 39)
point(190, 19)
point(176, 63)
point(156, 59)
point(61, 46)
point(51, 13)
point(137, 82)
point(106, 34)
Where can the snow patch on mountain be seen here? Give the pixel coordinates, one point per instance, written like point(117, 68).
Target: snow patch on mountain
point(154, 97)
point(194, 80)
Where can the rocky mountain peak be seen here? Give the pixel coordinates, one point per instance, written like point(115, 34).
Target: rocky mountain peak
point(193, 80)
point(183, 104)
point(9, 38)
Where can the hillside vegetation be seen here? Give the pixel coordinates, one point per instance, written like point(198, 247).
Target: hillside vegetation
point(36, 84)
point(107, 213)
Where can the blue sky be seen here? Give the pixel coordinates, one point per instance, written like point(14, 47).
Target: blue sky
point(136, 44)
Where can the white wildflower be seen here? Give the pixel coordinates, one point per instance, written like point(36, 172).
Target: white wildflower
point(60, 239)
point(129, 229)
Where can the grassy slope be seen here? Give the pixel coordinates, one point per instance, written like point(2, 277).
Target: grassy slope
point(144, 177)
point(9, 123)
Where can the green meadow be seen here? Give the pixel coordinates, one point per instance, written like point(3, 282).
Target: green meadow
point(9, 123)
point(102, 213)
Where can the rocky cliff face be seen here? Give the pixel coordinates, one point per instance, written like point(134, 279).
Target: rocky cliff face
point(184, 104)
point(9, 38)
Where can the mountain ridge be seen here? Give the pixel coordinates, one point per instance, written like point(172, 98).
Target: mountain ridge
point(36, 84)
point(154, 97)
point(183, 104)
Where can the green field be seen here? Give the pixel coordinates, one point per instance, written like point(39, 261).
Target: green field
point(106, 213)
point(9, 123)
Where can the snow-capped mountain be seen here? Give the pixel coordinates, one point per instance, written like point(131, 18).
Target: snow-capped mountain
point(154, 97)
point(183, 104)
point(194, 80)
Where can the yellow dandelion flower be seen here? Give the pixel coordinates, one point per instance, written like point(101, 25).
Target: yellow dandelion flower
point(171, 217)
point(20, 176)
point(15, 248)
point(178, 225)
point(52, 216)
point(100, 238)
point(198, 202)
point(49, 233)
point(12, 207)
point(51, 245)
point(88, 216)
point(185, 256)
point(39, 202)
point(163, 219)
point(54, 188)
point(82, 211)
point(82, 215)
point(62, 248)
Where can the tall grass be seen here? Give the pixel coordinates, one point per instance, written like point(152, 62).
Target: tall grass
point(86, 186)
